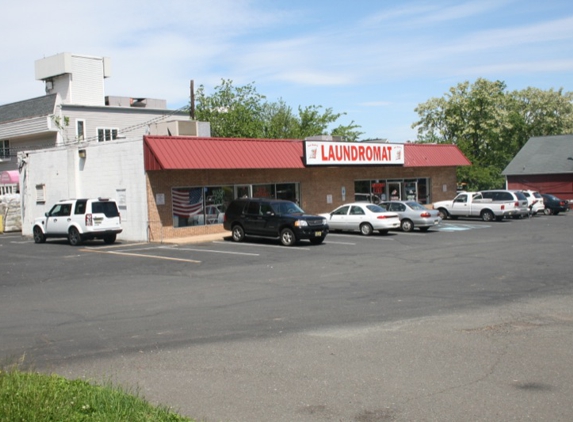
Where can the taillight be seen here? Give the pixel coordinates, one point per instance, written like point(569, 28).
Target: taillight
point(89, 220)
point(516, 204)
point(381, 217)
point(502, 207)
point(425, 215)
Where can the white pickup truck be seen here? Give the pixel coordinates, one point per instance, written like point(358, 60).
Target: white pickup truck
point(473, 204)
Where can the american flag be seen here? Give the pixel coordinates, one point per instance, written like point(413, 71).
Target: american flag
point(187, 202)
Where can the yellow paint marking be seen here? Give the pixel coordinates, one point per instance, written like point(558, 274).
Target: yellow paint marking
point(167, 258)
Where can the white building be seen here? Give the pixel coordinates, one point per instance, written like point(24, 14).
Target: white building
point(76, 142)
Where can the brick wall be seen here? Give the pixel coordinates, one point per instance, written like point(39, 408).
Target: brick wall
point(315, 184)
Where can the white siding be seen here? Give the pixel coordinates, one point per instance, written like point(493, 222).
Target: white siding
point(113, 117)
point(25, 127)
point(88, 81)
point(108, 168)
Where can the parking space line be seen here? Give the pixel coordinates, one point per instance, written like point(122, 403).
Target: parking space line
point(328, 242)
point(210, 251)
point(286, 248)
point(167, 258)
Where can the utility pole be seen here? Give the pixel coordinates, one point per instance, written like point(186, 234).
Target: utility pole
point(192, 97)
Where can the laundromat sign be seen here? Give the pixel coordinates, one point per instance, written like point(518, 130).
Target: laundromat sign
point(318, 153)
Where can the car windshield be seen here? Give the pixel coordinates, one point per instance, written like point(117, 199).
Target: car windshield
point(416, 206)
point(376, 208)
point(286, 208)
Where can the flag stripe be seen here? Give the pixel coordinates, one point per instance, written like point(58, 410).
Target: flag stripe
point(187, 202)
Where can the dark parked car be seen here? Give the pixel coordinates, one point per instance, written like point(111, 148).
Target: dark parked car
point(274, 218)
point(554, 205)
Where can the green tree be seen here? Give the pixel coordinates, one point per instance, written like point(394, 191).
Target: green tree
point(490, 125)
point(242, 112)
point(231, 111)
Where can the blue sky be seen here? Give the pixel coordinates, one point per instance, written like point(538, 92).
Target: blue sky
point(374, 60)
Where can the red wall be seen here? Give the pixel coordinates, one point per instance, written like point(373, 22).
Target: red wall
point(560, 185)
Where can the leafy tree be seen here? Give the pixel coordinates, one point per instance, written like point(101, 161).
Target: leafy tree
point(231, 111)
point(242, 112)
point(490, 125)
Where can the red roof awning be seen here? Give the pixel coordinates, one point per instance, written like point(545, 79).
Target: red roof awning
point(192, 153)
point(434, 155)
point(179, 153)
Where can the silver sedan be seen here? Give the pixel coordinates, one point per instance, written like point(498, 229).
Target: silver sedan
point(363, 217)
point(413, 214)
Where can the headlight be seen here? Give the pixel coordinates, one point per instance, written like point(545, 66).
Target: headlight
point(301, 223)
point(324, 221)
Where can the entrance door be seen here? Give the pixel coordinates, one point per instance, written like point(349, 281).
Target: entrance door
point(395, 191)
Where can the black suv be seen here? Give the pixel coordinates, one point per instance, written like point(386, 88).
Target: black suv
point(274, 218)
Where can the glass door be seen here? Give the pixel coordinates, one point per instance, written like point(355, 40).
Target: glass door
point(395, 191)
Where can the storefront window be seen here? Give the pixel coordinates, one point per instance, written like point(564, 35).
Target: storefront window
point(198, 206)
point(376, 191)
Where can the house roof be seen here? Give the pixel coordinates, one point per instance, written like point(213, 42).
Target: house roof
point(543, 155)
point(180, 153)
point(34, 107)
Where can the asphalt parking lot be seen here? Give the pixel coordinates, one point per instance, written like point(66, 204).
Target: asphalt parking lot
point(472, 321)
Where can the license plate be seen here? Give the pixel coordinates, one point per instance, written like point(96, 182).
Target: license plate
point(436, 221)
point(317, 234)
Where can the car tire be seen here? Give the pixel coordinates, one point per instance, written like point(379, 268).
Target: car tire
point(547, 211)
point(487, 215)
point(288, 238)
point(74, 237)
point(407, 225)
point(424, 229)
point(238, 233)
point(443, 214)
point(110, 239)
point(39, 236)
point(366, 229)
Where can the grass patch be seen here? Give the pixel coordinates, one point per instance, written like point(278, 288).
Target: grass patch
point(34, 397)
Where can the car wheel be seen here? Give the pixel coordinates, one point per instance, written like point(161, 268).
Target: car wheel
point(407, 225)
point(366, 229)
point(39, 236)
point(288, 237)
point(424, 229)
point(238, 233)
point(487, 215)
point(74, 237)
point(547, 211)
point(443, 213)
point(109, 239)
